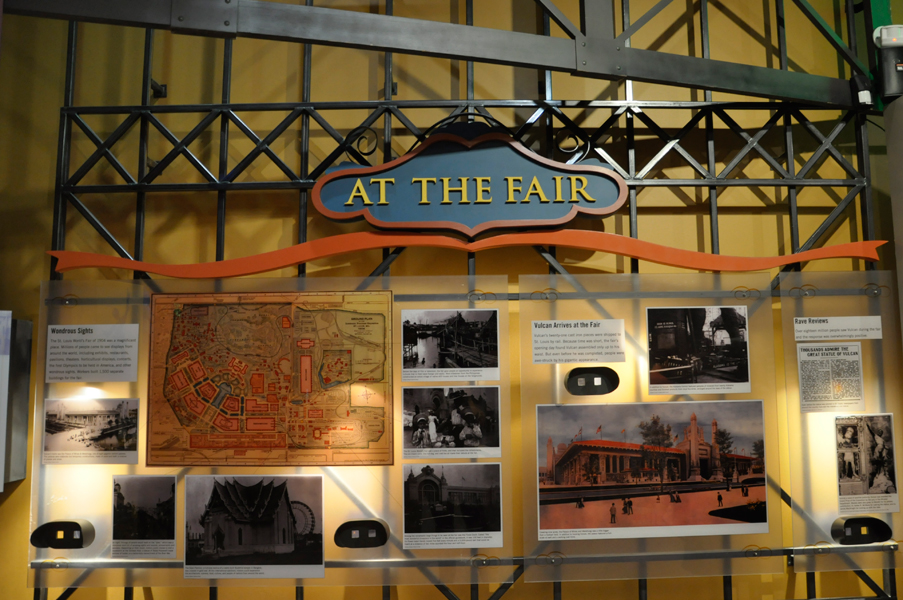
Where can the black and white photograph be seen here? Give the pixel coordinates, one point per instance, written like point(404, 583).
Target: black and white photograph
point(144, 516)
point(701, 350)
point(250, 527)
point(645, 470)
point(450, 345)
point(866, 464)
point(98, 431)
point(453, 505)
point(451, 422)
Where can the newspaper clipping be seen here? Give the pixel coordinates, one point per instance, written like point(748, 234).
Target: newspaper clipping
point(866, 469)
point(830, 377)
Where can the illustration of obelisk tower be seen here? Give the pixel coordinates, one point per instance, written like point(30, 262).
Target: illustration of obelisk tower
point(717, 473)
point(694, 451)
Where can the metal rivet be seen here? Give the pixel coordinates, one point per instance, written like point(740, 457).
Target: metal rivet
point(619, 67)
point(584, 44)
point(227, 23)
point(584, 62)
point(181, 18)
point(618, 48)
point(228, 1)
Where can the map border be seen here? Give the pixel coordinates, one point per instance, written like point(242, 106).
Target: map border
point(385, 456)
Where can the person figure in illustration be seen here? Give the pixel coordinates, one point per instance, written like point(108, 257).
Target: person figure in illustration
point(471, 433)
point(847, 443)
point(579, 502)
point(433, 421)
point(629, 506)
point(420, 438)
point(614, 512)
point(720, 500)
point(624, 508)
point(677, 497)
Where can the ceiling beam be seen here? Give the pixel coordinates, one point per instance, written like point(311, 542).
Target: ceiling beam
point(594, 56)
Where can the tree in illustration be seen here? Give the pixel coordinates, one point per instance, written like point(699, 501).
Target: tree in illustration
point(725, 442)
point(656, 439)
point(758, 450)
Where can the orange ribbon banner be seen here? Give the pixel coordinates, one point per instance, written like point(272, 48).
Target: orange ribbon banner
point(355, 242)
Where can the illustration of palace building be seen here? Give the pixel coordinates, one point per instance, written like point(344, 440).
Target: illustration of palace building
point(428, 489)
point(240, 519)
point(592, 462)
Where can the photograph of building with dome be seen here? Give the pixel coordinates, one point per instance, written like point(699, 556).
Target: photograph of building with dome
point(253, 526)
point(453, 506)
point(651, 469)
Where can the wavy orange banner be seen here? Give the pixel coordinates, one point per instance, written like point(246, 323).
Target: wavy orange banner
point(355, 242)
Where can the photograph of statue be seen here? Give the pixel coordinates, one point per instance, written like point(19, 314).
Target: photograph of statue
point(701, 349)
point(866, 466)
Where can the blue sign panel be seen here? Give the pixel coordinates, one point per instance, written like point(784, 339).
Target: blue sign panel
point(469, 186)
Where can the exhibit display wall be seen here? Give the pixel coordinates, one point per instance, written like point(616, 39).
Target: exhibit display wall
point(180, 230)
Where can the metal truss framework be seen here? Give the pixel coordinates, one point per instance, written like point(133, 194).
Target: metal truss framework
point(591, 49)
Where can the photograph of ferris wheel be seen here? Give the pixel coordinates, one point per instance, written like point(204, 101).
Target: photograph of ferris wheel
point(253, 526)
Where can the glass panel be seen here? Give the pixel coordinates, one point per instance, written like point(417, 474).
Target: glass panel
point(820, 445)
point(66, 491)
point(613, 493)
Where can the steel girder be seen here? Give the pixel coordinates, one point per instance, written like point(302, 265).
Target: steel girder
point(592, 50)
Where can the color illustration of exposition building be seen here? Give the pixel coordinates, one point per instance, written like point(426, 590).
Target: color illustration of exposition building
point(591, 462)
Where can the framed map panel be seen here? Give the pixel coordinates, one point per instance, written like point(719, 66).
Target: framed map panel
point(297, 378)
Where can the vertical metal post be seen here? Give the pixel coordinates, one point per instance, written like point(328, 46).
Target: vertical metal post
point(547, 93)
point(141, 202)
point(305, 150)
point(387, 95)
point(474, 591)
point(632, 191)
point(866, 210)
point(213, 593)
point(810, 585)
point(625, 24)
point(631, 142)
point(128, 593)
point(713, 191)
point(556, 590)
point(299, 593)
point(387, 120)
point(852, 38)
point(387, 592)
point(469, 21)
point(728, 591)
point(782, 33)
point(791, 191)
point(58, 234)
point(709, 131)
point(788, 135)
point(704, 34)
point(890, 582)
point(223, 151)
point(642, 590)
